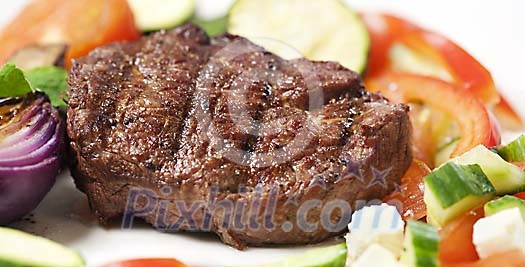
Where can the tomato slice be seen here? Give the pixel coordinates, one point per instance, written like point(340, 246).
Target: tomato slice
point(475, 122)
point(147, 263)
point(410, 193)
point(82, 24)
point(513, 258)
point(465, 70)
point(508, 117)
point(455, 245)
point(384, 30)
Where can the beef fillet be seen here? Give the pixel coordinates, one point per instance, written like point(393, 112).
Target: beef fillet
point(219, 135)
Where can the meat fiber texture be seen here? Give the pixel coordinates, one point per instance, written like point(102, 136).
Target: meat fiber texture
point(218, 135)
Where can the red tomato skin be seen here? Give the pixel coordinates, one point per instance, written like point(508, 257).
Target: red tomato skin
point(158, 262)
point(82, 24)
point(410, 193)
point(455, 244)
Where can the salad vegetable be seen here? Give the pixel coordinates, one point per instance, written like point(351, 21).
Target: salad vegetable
point(18, 248)
point(504, 203)
point(82, 24)
point(420, 245)
point(330, 256)
point(147, 263)
point(152, 15)
point(31, 141)
point(514, 151)
point(452, 190)
point(476, 124)
point(410, 195)
point(506, 177)
point(455, 239)
point(339, 36)
point(438, 54)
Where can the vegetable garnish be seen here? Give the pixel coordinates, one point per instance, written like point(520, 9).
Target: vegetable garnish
point(476, 124)
point(31, 145)
point(52, 81)
point(410, 192)
point(455, 245)
point(13, 82)
point(147, 263)
point(453, 189)
point(212, 27)
point(439, 56)
point(81, 24)
point(49, 80)
point(420, 245)
point(18, 248)
point(514, 151)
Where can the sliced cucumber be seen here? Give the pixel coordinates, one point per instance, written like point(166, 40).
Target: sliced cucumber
point(443, 153)
point(331, 256)
point(421, 245)
point(319, 30)
point(18, 248)
point(507, 178)
point(452, 190)
point(152, 15)
point(515, 151)
point(504, 203)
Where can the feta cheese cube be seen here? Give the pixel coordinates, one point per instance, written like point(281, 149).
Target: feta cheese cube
point(500, 232)
point(376, 255)
point(379, 224)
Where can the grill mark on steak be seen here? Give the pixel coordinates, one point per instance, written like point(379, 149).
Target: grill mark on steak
point(177, 109)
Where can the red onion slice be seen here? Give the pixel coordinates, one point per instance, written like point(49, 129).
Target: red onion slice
point(49, 149)
point(32, 142)
point(25, 130)
point(22, 188)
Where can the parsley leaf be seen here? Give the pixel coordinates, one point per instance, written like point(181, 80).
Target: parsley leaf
point(13, 82)
point(52, 81)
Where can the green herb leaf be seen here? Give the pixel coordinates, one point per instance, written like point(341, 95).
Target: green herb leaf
point(52, 81)
point(13, 83)
point(212, 27)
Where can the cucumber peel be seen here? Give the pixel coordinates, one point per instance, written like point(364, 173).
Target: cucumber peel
point(18, 248)
point(339, 36)
point(421, 245)
point(507, 178)
point(514, 151)
point(331, 256)
point(152, 15)
point(504, 203)
point(453, 189)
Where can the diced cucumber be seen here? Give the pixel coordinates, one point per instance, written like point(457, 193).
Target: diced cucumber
point(515, 151)
point(331, 256)
point(18, 248)
point(444, 152)
point(152, 15)
point(503, 203)
point(507, 178)
point(453, 189)
point(212, 27)
point(339, 36)
point(421, 245)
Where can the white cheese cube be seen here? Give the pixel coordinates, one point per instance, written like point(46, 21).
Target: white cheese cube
point(376, 255)
point(500, 232)
point(379, 224)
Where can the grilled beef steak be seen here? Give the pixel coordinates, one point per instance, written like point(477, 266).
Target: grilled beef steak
point(257, 149)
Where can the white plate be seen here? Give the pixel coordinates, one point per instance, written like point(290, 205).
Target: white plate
point(493, 31)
